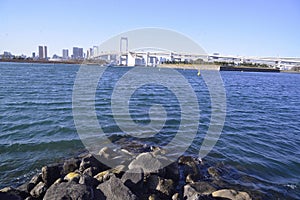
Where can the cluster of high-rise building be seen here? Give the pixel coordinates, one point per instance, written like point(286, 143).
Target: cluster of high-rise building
point(78, 54)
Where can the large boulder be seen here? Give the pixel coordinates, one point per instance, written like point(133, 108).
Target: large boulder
point(50, 174)
point(148, 162)
point(34, 181)
point(231, 194)
point(90, 161)
point(69, 190)
point(162, 185)
point(71, 165)
point(114, 189)
point(39, 190)
point(197, 190)
point(88, 180)
point(133, 179)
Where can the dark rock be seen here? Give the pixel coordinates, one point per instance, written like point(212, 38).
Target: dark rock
point(69, 190)
point(22, 190)
point(176, 196)
point(90, 161)
point(165, 186)
point(71, 165)
point(190, 166)
point(172, 172)
point(9, 196)
point(50, 174)
point(39, 190)
point(91, 171)
point(191, 178)
point(197, 190)
point(115, 189)
point(133, 179)
point(88, 180)
point(10, 193)
point(34, 181)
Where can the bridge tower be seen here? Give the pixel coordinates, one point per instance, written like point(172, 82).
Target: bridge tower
point(123, 54)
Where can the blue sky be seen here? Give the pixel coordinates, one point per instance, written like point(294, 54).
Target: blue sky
point(251, 28)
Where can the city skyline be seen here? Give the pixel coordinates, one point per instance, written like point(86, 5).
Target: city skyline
point(251, 28)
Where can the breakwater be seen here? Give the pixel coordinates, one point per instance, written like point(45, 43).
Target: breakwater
point(141, 176)
point(248, 69)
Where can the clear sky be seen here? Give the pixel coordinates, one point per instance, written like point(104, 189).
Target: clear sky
point(250, 28)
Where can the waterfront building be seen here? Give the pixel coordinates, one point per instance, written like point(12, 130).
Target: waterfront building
point(91, 52)
point(80, 51)
point(65, 54)
point(41, 52)
point(45, 52)
point(77, 53)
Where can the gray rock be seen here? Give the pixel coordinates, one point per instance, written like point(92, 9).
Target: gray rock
point(69, 190)
point(148, 162)
point(231, 194)
point(90, 161)
point(88, 180)
point(91, 171)
point(34, 181)
point(114, 189)
point(133, 179)
point(50, 174)
point(71, 165)
point(107, 153)
point(39, 190)
point(196, 190)
point(165, 186)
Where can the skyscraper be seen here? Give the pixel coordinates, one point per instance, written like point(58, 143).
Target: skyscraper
point(41, 52)
point(65, 54)
point(80, 51)
point(77, 53)
point(45, 52)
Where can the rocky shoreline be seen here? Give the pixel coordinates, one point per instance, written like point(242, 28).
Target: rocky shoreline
point(142, 176)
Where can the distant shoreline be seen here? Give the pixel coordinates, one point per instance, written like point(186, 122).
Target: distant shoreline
point(43, 61)
point(173, 66)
